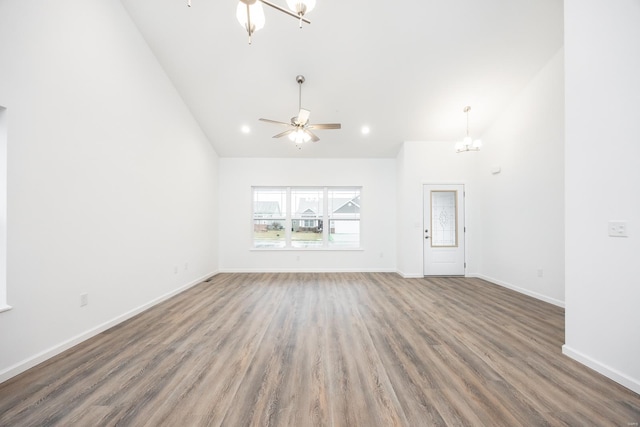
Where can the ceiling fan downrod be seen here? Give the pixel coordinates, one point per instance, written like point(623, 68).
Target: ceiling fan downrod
point(300, 80)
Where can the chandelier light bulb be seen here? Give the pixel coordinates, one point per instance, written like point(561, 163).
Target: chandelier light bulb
point(300, 7)
point(250, 16)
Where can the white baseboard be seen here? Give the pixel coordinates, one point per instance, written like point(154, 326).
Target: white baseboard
point(410, 276)
point(307, 270)
point(22, 366)
point(632, 384)
point(524, 291)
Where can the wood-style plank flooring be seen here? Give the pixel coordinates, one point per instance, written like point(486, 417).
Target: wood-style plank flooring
point(348, 349)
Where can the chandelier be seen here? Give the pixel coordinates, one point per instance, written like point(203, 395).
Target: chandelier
point(250, 13)
point(467, 144)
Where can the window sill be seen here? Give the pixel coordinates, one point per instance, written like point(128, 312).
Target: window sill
point(4, 307)
point(304, 249)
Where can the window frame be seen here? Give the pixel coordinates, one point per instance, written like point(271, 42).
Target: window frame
point(290, 216)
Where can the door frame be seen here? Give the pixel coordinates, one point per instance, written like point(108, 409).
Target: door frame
point(462, 226)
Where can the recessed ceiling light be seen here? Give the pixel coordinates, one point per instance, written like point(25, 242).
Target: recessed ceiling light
point(365, 130)
point(245, 129)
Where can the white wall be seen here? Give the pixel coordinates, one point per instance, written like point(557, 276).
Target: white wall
point(602, 43)
point(519, 212)
point(422, 163)
point(111, 183)
point(378, 217)
point(3, 209)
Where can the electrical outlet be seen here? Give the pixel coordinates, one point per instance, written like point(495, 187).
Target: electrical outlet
point(84, 299)
point(540, 272)
point(618, 229)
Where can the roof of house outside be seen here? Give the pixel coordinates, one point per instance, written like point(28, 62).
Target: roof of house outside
point(267, 207)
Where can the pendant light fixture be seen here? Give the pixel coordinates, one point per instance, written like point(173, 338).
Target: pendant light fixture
point(251, 15)
point(467, 144)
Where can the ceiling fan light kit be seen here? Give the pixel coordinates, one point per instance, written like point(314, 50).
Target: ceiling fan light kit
point(467, 144)
point(300, 128)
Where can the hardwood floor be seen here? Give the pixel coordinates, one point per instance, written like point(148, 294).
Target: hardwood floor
point(352, 349)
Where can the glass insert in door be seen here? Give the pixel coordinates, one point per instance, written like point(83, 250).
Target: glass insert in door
point(444, 219)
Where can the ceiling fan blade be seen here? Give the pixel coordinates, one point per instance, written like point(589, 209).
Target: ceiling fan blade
point(325, 126)
point(274, 121)
point(314, 137)
point(303, 116)
point(285, 133)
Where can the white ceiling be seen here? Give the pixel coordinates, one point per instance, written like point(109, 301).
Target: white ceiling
point(406, 69)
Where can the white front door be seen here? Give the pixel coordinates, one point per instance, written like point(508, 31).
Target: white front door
point(444, 230)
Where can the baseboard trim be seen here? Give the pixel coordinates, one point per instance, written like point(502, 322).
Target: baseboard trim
point(524, 291)
point(29, 363)
point(632, 384)
point(307, 270)
point(410, 276)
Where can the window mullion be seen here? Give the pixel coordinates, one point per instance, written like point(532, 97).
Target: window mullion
point(288, 220)
point(325, 217)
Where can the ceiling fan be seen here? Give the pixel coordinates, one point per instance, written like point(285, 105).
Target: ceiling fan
point(300, 128)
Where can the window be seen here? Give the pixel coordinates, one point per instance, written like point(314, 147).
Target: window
point(444, 219)
point(269, 218)
point(344, 217)
point(307, 218)
point(296, 217)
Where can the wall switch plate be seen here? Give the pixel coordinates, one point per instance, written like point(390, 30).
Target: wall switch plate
point(618, 229)
point(84, 299)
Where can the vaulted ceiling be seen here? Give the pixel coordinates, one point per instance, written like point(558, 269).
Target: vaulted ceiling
point(405, 69)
